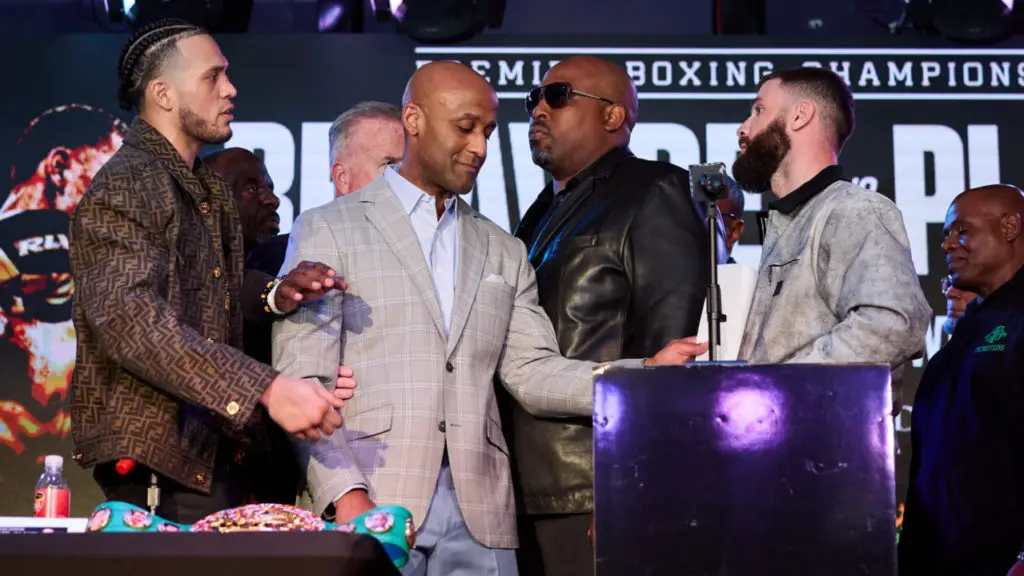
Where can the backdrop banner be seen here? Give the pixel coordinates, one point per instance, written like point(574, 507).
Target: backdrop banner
point(929, 125)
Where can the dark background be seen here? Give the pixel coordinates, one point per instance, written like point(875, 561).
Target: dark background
point(298, 80)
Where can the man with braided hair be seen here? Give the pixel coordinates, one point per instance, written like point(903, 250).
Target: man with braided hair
point(156, 258)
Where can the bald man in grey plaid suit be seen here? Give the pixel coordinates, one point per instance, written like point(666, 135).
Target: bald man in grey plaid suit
point(439, 301)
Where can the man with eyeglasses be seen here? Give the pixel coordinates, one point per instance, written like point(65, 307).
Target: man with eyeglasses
point(957, 300)
point(620, 252)
point(731, 208)
point(965, 500)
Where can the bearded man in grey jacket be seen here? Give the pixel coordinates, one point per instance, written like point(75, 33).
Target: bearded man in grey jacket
point(836, 281)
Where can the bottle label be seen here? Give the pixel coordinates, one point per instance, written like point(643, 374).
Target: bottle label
point(53, 502)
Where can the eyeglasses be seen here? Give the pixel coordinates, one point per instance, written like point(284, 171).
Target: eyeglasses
point(947, 283)
point(557, 95)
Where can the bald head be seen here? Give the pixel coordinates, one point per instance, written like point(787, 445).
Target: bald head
point(569, 134)
point(448, 112)
point(434, 82)
point(222, 161)
point(602, 78)
point(253, 191)
point(994, 199)
point(983, 241)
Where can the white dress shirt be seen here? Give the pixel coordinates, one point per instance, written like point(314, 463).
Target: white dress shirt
point(438, 237)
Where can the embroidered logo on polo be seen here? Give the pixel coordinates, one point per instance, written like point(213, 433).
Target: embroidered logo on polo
point(997, 334)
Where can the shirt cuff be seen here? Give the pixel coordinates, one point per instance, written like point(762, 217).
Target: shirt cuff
point(330, 514)
point(270, 300)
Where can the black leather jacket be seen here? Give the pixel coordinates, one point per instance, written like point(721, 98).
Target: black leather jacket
point(621, 270)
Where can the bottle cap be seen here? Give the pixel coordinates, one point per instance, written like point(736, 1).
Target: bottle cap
point(54, 461)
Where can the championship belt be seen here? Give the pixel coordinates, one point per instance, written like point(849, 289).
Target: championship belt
point(392, 526)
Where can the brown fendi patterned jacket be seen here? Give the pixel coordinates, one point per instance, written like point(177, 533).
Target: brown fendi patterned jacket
point(160, 293)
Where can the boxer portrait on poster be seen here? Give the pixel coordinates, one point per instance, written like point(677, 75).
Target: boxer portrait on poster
point(55, 158)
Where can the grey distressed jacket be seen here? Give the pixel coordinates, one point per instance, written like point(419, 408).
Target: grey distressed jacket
point(836, 284)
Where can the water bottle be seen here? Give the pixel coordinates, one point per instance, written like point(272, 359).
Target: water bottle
point(53, 498)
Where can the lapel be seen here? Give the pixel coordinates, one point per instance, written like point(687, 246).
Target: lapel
point(386, 213)
point(528, 225)
point(579, 195)
point(470, 269)
point(147, 138)
point(580, 188)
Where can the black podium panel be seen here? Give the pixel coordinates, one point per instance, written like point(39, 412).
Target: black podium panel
point(201, 554)
point(733, 470)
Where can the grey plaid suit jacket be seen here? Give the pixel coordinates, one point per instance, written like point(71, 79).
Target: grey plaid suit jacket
point(417, 389)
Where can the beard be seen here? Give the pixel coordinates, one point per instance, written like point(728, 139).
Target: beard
point(754, 168)
point(542, 155)
point(196, 127)
point(541, 152)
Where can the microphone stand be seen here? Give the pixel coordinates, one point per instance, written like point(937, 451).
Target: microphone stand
point(714, 297)
point(708, 183)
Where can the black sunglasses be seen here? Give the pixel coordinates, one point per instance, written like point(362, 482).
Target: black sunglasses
point(557, 95)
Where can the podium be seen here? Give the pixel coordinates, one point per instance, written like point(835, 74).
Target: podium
point(738, 470)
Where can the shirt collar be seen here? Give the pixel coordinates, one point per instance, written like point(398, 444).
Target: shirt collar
point(410, 194)
point(600, 168)
point(808, 190)
point(1012, 291)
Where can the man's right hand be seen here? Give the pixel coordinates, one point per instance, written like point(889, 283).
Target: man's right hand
point(679, 352)
point(351, 505)
point(302, 407)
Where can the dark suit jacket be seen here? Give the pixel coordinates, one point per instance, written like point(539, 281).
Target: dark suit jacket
point(622, 269)
point(267, 258)
point(156, 257)
point(284, 476)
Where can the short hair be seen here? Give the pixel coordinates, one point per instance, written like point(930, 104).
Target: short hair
point(341, 128)
point(829, 91)
point(145, 56)
point(70, 126)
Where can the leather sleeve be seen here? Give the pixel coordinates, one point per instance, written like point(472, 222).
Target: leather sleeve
point(666, 260)
point(121, 264)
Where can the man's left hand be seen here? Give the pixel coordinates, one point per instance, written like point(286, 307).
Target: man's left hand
point(307, 282)
point(344, 389)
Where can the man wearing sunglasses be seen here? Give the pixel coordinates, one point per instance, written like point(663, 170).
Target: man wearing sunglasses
point(620, 253)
